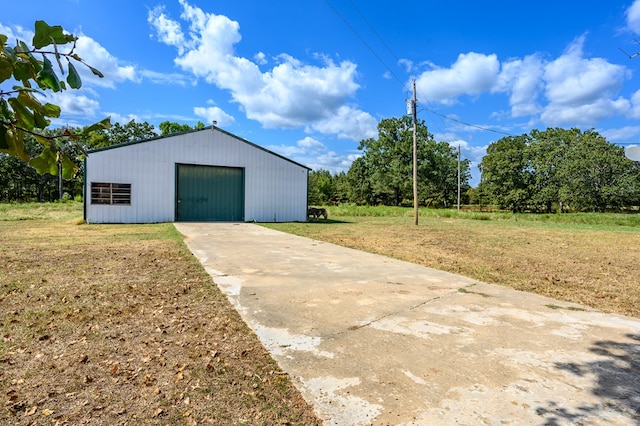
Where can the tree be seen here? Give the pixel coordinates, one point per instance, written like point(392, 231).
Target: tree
point(506, 173)
point(359, 181)
point(547, 151)
point(340, 188)
point(386, 167)
point(21, 111)
point(321, 187)
point(597, 176)
point(118, 134)
point(170, 128)
point(438, 185)
point(561, 169)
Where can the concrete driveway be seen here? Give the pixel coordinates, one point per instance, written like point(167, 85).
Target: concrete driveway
point(372, 340)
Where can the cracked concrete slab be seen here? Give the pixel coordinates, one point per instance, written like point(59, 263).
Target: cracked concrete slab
point(372, 340)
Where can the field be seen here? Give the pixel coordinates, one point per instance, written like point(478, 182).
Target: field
point(591, 259)
point(120, 324)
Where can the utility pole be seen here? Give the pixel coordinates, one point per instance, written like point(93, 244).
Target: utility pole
point(415, 155)
point(458, 177)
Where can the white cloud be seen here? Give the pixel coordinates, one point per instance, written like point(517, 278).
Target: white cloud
point(522, 77)
point(260, 58)
point(16, 32)
point(583, 115)
point(167, 30)
point(303, 148)
point(621, 134)
point(167, 78)
point(633, 17)
point(311, 144)
point(74, 104)
point(291, 94)
point(124, 119)
point(635, 105)
point(91, 52)
point(582, 91)
point(98, 57)
point(211, 114)
point(316, 155)
point(348, 123)
point(573, 80)
point(472, 74)
point(570, 90)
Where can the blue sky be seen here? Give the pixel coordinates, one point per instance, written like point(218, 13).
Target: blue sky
point(309, 79)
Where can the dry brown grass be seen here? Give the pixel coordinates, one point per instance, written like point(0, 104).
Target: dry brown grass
point(598, 266)
point(104, 324)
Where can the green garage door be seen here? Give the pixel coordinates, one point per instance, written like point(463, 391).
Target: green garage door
point(208, 193)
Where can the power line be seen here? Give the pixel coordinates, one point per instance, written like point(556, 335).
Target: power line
point(361, 39)
point(374, 30)
point(396, 57)
point(467, 124)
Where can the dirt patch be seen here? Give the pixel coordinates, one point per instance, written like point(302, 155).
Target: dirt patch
point(104, 324)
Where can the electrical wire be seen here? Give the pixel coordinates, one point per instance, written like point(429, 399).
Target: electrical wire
point(344, 20)
point(361, 39)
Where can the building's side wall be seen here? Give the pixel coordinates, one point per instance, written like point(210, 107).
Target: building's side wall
point(275, 189)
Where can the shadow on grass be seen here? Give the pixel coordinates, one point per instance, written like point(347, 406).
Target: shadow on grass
point(616, 382)
point(326, 222)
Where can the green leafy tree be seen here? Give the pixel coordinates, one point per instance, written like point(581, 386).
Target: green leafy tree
point(561, 169)
point(597, 176)
point(547, 153)
point(170, 128)
point(387, 167)
point(359, 182)
point(438, 174)
point(506, 173)
point(341, 188)
point(21, 111)
point(321, 187)
point(117, 134)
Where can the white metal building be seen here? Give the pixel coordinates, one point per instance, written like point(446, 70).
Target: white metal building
point(203, 175)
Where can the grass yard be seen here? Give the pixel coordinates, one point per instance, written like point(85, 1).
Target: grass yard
point(592, 259)
point(120, 324)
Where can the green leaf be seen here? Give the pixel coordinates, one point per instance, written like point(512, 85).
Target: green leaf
point(73, 78)
point(5, 112)
point(23, 115)
point(4, 144)
point(12, 143)
point(69, 168)
point(6, 68)
point(46, 35)
point(103, 124)
point(39, 111)
point(95, 71)
point(24, 71)
point(48, 77)
point(3, 39)
point(45, 162)
point(11, 54)
point(51, 110)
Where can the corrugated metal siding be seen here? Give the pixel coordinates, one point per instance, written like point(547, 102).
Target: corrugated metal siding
point(275, 189)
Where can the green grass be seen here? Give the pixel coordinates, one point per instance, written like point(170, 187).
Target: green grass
point(71, 210)
point(590, 219)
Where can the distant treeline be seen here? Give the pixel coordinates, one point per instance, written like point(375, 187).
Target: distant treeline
point(555, 170)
